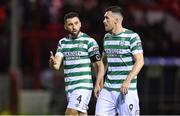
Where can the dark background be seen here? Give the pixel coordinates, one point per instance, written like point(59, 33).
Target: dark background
point(40, 26)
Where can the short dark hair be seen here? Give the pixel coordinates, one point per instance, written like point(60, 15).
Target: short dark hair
point(115, 9)
point(70, 15)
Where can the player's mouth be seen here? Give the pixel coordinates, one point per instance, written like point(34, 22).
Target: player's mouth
point(74, 31)
point(105, 25)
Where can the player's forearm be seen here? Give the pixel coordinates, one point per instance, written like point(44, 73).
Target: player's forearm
point(100, 72)
point(56, 63)
point(136, 69)
point(105, 63)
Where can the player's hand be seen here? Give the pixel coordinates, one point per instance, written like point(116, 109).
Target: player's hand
point(98, 88)
point(124, 87)
point(52, 59)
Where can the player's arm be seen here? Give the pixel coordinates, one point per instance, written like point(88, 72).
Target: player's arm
point(137, 51)
point(139, 62)
point(104, 60)
point(55, 61)
point(99, 67)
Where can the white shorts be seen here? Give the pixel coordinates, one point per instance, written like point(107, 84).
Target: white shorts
point(79, 100)
point(110, 103)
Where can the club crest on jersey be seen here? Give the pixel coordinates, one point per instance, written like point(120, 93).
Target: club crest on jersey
point(81, 45)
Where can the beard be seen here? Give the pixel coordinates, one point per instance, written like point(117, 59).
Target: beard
point(108, 29)
point(75, 33)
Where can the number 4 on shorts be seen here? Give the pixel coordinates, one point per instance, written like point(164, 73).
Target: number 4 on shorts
point(79, 99)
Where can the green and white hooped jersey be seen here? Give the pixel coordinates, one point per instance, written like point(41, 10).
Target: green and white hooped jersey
point(76, 55)
point(120, 49)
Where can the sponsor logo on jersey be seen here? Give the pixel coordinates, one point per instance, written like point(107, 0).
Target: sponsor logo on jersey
point(72, 54)
point(113, 52)
point(81, 45)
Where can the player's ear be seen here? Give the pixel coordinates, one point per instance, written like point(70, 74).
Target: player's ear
point(80, 23)
point(116, 20)
point(65, 27)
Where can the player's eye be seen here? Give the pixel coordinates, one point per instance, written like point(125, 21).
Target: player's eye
point(70, 24)
point(76, 23)
point(106, 17)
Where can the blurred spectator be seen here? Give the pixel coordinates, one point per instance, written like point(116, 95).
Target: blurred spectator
point(2, 15)
point(56, 9)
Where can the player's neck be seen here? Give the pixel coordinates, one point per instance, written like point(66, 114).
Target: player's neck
point(76, 36)
point(118, 29)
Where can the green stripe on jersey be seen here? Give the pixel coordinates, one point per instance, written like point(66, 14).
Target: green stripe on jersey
point(118, 64)
point(116, 47)
point(77, 74)
point(119, 81)
point(77, 66)
point(86, 88)
point(75, 49)
point(79, 81)
point(75, 42)
point(118, 72)
point(119, 38)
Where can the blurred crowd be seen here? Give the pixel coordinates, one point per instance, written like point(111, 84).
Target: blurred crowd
point(156, 21)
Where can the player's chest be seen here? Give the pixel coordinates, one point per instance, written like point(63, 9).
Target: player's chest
point(74, 49)
point(116, 47)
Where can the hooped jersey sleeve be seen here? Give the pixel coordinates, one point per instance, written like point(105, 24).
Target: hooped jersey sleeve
point(93, 51)
point(136, 45)
point(59, 50)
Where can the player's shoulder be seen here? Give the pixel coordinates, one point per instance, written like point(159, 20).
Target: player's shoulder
point(88, 38)
point(64, 39)
point(107, 35)
point(130, 32)
point(85, 35)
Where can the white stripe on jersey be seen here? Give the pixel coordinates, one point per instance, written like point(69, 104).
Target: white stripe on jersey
point(118, 77)
point(132, 85)
point(113, 42)
point(73, 45)
point(74, 62)
point(74, 70)
point(120, 68)
point(128, 59)
point(137, 51)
